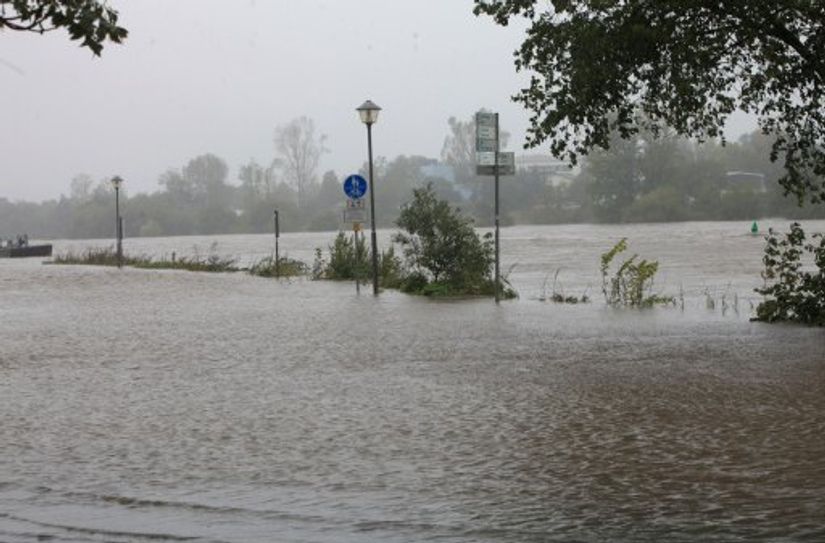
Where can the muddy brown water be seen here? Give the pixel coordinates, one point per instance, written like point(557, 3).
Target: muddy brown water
point(166, 406)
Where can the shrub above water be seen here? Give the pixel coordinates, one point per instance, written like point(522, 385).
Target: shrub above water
point(631, 284)
point(794, 290)
point(443, 252)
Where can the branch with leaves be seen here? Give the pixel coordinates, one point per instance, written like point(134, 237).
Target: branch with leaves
point(92, 22)
point(633, 65)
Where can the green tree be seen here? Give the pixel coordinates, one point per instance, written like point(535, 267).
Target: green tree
point(443, 251)
point(255, 181)
point(686, 63)
point(206, 175)
point(613, 178)
point(794, 289)
point(330, 194)
point(92, 22)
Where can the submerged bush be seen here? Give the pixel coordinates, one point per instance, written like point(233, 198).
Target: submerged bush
point(93, 256)
point(558, 296)
point(348, 258)
point(108, 257)
point(287, 267)
point(631, 284)
point(443, 250)
point(793, 291)
point(351, 259)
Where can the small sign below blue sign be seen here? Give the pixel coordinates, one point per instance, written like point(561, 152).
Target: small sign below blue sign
point(355, 186)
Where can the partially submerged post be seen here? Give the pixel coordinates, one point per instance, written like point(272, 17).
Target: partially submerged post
point(277, 235)
point(355, 187)
point(489, 161)
point(368, 111)
point(116, 182)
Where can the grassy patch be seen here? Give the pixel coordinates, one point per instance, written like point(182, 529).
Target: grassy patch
point(108, 257)
point(286, 267)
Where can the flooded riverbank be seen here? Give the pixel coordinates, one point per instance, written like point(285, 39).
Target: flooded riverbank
point(169, 405)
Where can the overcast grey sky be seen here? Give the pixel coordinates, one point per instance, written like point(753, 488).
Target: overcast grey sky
point(199, 76)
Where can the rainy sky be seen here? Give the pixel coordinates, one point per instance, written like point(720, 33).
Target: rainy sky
point(198, 76)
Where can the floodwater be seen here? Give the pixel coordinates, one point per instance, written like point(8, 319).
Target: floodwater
point(159, 406)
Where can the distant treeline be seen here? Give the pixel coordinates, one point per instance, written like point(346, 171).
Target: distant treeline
point(643, 179)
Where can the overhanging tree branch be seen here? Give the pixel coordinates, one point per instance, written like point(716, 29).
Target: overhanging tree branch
point(92, 22)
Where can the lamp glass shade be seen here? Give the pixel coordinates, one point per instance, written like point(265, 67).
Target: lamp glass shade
point(368, 111)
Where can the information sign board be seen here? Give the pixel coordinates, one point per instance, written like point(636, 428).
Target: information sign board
point(355, 212)
point(486, 119)
point(486, 164)
point(486, 132)
point(486, 159)
point(485, 145)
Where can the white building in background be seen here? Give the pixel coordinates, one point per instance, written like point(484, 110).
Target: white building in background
point(554, 171)
point(754, 181)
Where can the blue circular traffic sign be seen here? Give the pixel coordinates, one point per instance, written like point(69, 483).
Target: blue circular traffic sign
point(355, 186)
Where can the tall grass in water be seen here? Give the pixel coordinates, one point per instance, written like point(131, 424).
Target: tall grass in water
point(286, 267)
point(108, 257)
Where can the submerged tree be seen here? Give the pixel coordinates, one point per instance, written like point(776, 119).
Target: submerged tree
point(442, 249)
point(92, 22)
point(794, 289)
point(685, 63)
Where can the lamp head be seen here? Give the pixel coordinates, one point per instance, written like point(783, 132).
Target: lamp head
point(368, 111)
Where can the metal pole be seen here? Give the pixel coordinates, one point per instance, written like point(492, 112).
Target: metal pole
point(498, 294)
point(277, 235)
point(372, 214)
point(357, 261)
point(118, 228)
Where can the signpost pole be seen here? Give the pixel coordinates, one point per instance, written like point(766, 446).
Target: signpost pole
point(277, 256)
point(497, 285)
point(372, 215)
point(355, 187)
point(357, 258)
point(489, 161)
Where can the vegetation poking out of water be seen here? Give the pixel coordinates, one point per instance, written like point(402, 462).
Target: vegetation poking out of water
point(558, 296)
point(794, 288)
point(106, 256)
point(351, 259)
point(286, 267)
point(443, 255)
point(442, 251)
point(631, 284)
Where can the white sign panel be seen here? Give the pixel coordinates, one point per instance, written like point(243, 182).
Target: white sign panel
point(486, 119)
point(485, 146)
point(503, 169)
point(486, 163)
point(489, 159)
point(486, 159)
point(507, 159)
point(486, 132)
point(355, 215)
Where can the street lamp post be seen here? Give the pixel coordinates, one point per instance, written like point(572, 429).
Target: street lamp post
point(116, 182)
point(368, 111)
point(277, 235)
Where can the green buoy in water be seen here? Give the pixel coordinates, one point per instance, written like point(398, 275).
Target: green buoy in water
point(754, 228)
